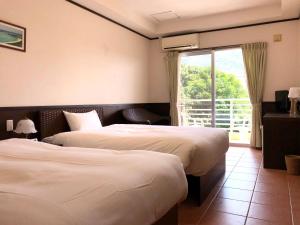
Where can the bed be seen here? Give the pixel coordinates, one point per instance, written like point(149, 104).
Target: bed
point(201, 150)
point(53, 185)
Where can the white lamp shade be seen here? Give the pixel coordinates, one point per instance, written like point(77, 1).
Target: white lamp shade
point(294, 92)
point(25, 126)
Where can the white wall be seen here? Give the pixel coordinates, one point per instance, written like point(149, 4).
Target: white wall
point(158, 78)
point(298, 65)
point(72, 57)
point(75, 57)
point(283, 57)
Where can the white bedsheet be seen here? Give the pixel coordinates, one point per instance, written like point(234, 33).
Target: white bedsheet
point(42, 184)
point(198, 148)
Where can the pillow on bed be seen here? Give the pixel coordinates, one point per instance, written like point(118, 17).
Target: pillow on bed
point(83, 121)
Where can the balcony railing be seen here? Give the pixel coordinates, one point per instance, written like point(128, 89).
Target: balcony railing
point(231, 114)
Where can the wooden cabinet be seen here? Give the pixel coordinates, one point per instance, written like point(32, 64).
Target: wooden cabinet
point(281, 136)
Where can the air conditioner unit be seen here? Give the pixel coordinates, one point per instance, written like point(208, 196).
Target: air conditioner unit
point(182, 42)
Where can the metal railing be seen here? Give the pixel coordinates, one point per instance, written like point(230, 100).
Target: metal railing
point(231, 114)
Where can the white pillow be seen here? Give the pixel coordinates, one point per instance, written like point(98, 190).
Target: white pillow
point(83, 121)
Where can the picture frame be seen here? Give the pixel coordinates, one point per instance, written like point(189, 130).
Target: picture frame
point(12, 36)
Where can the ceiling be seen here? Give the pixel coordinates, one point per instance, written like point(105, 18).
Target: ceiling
point(185, 8)
point(164, 17)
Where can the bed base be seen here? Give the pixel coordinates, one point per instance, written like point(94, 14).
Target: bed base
point(170, 218)
point(52, 121)
point(199, 187)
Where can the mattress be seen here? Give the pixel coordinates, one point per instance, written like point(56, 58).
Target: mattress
point(52, 185)
point(198, 148)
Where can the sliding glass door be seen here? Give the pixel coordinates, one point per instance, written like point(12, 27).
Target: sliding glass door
point(213, 92)
point(197, 85)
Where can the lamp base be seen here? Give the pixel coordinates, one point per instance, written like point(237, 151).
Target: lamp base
point(293, 111)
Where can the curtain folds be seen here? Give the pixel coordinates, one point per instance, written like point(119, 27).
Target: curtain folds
point(255, 57)
point(172, 70)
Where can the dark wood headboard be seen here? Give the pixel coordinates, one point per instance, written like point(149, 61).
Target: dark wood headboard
point(110, 114)
point(53, 121)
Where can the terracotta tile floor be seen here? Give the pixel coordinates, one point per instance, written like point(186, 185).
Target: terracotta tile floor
point(247, 195)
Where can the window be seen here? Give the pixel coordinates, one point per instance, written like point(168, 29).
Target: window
point(213, 92)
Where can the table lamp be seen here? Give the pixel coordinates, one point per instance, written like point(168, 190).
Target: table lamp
point(294, 95)
point(25, 126)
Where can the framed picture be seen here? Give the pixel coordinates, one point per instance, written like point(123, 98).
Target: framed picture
point(12, 36)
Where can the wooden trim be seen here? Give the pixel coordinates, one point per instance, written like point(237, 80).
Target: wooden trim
point(24, 40)
point(107, 18)
point(5, 108)
point(211, 48)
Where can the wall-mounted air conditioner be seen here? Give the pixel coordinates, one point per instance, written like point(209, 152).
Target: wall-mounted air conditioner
point(182, 42)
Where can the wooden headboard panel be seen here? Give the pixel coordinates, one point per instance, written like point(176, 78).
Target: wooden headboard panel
point(53, 121)
point(108, 113)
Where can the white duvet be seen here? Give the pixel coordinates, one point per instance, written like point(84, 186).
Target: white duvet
point(42, 184)
point(198, 148)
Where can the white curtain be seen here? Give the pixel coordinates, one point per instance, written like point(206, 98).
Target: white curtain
point(255, 57)
point(172, 70)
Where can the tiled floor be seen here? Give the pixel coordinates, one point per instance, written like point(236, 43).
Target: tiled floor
point(247, 195)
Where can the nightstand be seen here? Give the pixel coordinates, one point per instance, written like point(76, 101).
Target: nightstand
point(281, 136)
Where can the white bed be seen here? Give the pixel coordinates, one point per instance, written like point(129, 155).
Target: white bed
point(198, 148)
point(52, 185)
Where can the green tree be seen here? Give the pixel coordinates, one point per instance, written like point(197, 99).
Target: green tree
point(196, 84)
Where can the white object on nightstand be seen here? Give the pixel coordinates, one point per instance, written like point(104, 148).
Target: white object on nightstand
point(294, 96)
point(9, 125)
point(25, 126)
